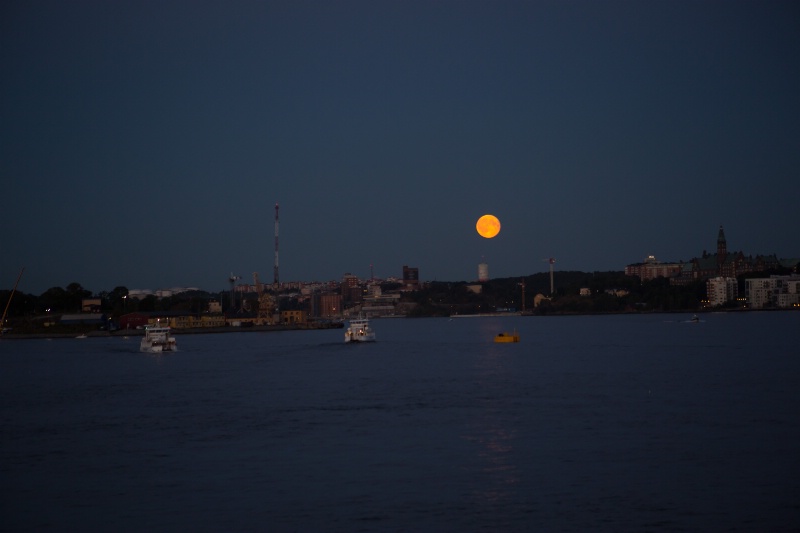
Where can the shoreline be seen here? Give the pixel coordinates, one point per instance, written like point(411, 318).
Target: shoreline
point(340, 324)
point(174, 331)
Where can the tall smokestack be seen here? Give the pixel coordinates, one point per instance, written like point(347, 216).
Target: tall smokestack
point(276, 245)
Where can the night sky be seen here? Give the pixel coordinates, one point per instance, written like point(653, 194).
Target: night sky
point(145, 143)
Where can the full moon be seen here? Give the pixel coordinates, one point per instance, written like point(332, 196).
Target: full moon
point(488, 226)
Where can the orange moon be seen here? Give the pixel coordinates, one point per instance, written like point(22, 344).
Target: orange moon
point(488, 226)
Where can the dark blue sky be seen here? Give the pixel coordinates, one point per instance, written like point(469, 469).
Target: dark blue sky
point(145, 144)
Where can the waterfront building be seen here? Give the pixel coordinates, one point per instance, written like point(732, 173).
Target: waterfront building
point(195, 321)
point(774, 291)
point(721, 290)
point(97, 319)
point(327, 305)
point(139, 319)
point(294, 317)
point(380, 305)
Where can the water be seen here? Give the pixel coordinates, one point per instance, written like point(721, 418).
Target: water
point(615, 423)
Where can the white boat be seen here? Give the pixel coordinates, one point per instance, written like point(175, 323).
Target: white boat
point(359, 330)
point(157, 339)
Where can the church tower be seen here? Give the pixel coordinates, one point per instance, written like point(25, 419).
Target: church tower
point(722, 251)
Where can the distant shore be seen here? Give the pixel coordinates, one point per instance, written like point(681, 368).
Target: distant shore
point(340, 324)
point(182, 331)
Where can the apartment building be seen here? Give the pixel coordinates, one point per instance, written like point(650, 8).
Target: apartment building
point(774, 291)
point(721, 290)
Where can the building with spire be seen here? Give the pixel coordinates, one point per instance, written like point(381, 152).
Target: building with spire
point(722, 250)
point(724, 264)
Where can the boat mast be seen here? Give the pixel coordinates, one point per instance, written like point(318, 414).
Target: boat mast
point(8, 303)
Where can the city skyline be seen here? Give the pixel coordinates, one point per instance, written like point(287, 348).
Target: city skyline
point(146, 146)
point(482, 267)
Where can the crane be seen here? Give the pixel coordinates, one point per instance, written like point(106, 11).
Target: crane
point(5, 312)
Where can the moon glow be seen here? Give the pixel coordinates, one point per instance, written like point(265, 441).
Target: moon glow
point(488, 226)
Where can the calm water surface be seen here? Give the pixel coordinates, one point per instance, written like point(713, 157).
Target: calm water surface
point(615, 423)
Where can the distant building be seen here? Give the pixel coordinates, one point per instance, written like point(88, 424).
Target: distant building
point(652, 269)
point(140, 293)
point(483, 272)
point(380, 304)
point(725, 264)
point(83, 319)
point(351, 289)
point(410, 278)
point(722, 264)
point(326, 305)
point(774, 291)
point(792, 264)
point(161, 293)
point(133, 320)
point(193, 321)
point(293, 317)
point(165, 318)
point(90, 305)
point(619, 293)
point(721, 290)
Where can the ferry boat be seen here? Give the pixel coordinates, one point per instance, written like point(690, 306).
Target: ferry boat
point(359, 330)
point(157, 339)
point(507, 337)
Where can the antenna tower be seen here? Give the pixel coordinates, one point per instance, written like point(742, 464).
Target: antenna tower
point(275, 281)
point(552, 262)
